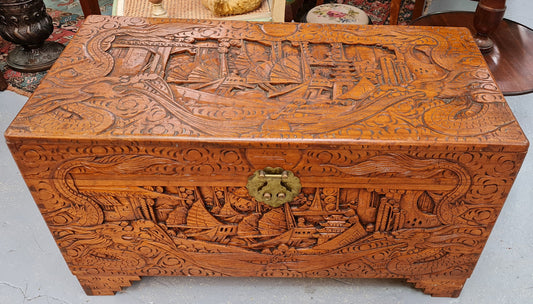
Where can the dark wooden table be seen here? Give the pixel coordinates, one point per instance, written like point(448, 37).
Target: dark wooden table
point(511, 61)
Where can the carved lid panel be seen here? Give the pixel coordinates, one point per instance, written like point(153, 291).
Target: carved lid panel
point(239, 81)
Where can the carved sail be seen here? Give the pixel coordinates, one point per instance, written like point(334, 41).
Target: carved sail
point(361, 90)
point(199, 217)
point(316, 206)
point(273, 222)
point(227, 210)
point(288, 70)
point(249, 226)
point(177, 217)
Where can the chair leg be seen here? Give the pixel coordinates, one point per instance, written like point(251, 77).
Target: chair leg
point(90, 7)
point(3, 82)
point(394, 11)
point(419, 9)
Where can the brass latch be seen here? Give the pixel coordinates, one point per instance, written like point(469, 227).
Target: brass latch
point(274, 186)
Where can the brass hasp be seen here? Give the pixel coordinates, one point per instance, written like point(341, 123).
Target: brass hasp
point(274, 186)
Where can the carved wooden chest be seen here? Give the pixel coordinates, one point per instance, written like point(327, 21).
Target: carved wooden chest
point(285, 150)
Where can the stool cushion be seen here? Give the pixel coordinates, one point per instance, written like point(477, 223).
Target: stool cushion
point(337, 13)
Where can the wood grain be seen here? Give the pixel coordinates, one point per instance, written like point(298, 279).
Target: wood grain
point(138, 145)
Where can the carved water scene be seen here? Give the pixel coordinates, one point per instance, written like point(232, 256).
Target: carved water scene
point(271, 81)
point(313, 74)
point(319, 220)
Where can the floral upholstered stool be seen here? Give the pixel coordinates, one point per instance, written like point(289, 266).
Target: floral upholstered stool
point(337, 13)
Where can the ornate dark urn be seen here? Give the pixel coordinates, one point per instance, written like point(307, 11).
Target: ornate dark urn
point(26, 23)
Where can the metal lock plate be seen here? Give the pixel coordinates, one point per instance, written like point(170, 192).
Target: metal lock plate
point(274, 186)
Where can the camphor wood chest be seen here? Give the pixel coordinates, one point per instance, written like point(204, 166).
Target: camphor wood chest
point(158, 148)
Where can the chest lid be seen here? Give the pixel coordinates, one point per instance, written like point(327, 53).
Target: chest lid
point(260, 83)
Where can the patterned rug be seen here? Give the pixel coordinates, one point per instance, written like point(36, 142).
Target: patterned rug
point(67, 16)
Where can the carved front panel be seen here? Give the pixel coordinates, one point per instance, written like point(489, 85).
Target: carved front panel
point(133, 212)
